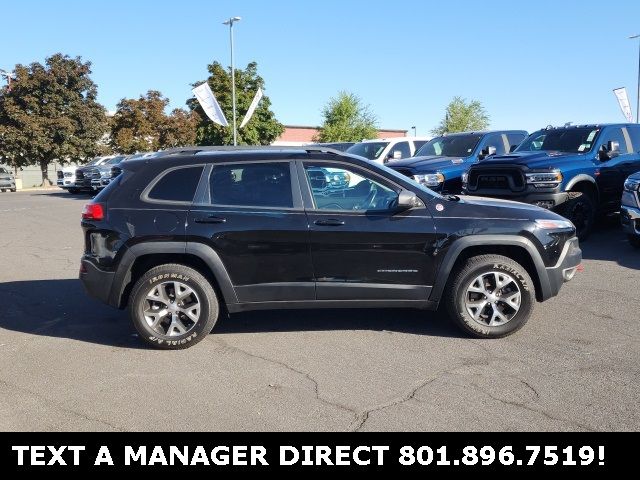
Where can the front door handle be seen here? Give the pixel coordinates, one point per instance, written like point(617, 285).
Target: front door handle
point(331, 222)
point(211, 219)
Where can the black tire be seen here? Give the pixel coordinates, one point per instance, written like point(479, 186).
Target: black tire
point(209, 307)
point(463, 278)
point(580, 209)
point(74, 191)
point(634, 240)
point(2, 190)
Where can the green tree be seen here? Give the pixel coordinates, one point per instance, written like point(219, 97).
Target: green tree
point(262, 129)
point(50, 113)
point(463, 116)
point(179, 129)
point(347, 119)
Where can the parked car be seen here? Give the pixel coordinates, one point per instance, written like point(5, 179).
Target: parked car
point(104, 170)
point(577, 171)
point(630, 209)
point(67, 179)
point(94, 171)
point(440, 163)
point(117, 168)
point(188, 235)
point(340, 146)
point(383, 150)
point(7, 180)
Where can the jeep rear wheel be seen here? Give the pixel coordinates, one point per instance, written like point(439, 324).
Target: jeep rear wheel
point(580, 209)
point(490, 296)
point(173, 307)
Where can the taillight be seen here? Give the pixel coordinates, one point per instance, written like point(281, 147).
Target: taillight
point(93, 211)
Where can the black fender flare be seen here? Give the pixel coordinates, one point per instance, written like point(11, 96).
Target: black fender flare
point(458, 246)
point(582, 178)
point(206, 254)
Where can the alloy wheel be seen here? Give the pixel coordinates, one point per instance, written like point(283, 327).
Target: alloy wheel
point(493, 299)
point(171, 309)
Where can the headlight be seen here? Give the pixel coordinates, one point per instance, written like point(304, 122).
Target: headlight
point(554, 224)
point(632, 185)
point(544, 179)
point(106, 174)
point(430, 179)
point(465, 177)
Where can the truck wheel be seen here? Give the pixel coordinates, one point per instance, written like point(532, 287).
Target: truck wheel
point(634, 240)
point(2, 190)
point(13, 190)
point(580, 209)
point(73, 191)
point(173, 307)
point(490, 296)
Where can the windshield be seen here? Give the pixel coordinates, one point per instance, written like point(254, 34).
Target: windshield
point(114, 160)
point(370, 150)
point(450, 146)
point(94, 161)
point(569, 140)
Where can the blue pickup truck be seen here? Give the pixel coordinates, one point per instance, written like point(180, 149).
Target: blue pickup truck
point(440, 163)
point(577, 171)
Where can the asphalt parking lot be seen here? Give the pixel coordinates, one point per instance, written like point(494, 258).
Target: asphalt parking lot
point(70, 363)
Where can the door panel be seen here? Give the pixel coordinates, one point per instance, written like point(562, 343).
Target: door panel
point(613, 172)
point(264, 247)
point(361, 249)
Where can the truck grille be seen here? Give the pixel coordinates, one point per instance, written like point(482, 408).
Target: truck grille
point(511, 179)
point(60, 175)
point(115, 171)
point(79, 175)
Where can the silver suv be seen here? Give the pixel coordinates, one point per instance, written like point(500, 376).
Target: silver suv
point(7, 180)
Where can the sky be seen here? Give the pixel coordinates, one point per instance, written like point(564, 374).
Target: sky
point(531, 64)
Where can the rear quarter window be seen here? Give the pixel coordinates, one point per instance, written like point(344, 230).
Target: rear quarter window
point(178, 185)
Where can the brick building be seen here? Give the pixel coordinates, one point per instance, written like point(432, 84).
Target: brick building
point(296, 135)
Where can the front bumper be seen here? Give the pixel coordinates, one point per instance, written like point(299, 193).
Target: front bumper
point(96, 282)
point(564, 270)
point(66, 183)
point(7, 183)
point(100, 183)
point(548, 200)
point(630, 219)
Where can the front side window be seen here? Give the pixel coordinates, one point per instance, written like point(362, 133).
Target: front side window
point(403, 148)
point(565, 140)
point(450, 146)
point(177, 185)
point(497, 142)
point(614, 135)
point(370, 150)
point(252, 185)
point(339, 188)
point(515, 139)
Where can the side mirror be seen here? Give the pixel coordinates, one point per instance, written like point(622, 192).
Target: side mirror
point(609, 151)
point(407, 199)
point(487, 152)
point(395, 155)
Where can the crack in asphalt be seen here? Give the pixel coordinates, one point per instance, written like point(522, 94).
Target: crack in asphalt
point(60, 407)
point(306, 375)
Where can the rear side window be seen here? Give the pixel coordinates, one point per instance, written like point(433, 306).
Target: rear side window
point(252, 185)
point(177, 185)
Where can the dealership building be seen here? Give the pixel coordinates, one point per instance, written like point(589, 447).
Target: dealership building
point(296, 135)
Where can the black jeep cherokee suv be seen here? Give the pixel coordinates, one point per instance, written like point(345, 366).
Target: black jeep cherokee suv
point(184, 237)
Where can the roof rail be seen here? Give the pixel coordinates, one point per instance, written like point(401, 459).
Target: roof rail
point(228, 148)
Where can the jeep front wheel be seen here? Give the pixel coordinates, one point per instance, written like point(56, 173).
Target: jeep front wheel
point(173, 307)
point(490, 296)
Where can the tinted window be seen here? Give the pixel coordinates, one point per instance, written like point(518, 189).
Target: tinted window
point(495, 141)
point(177, 185)
point(451, 146)
point(252, 185)
point(634, 133)
point(403, 147)
point(370, 150)
point(613, 135)
point(515, 139)
point(568, 140)
point(418, 144)
point(338, 188)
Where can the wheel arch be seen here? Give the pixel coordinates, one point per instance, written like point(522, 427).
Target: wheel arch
point(520, 249)
point(142, 257)
point(584, 183)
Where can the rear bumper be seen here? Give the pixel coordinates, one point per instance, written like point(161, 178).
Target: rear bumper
point(96, 282)
point(564, 270)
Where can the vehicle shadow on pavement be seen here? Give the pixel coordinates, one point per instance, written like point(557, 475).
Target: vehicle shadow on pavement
point(61, 309)
point(609, 243)
point(65, 195)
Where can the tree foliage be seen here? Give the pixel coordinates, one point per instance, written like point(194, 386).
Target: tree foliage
point(141, 125)
point(347, 119)
point(51, 113)
point(262, 129)
point(463, 116)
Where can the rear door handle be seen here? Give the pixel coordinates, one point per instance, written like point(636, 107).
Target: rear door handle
point(331, 222)
point(211, 219)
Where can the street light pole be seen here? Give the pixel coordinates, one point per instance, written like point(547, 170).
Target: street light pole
point(230, 22)
point(415, 131)
point(638, 93)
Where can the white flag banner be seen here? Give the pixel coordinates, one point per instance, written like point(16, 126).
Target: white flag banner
point(623, 99)
point(252, 108)
point(209, 104)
